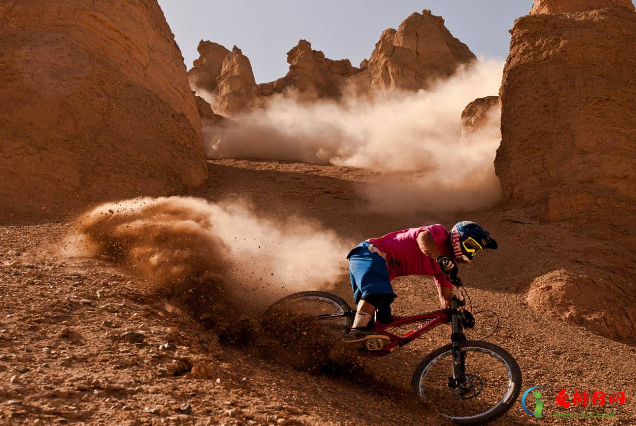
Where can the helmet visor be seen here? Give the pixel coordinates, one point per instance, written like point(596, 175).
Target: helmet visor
point(471, 246)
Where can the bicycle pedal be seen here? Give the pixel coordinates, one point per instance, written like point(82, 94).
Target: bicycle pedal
point(376, 344)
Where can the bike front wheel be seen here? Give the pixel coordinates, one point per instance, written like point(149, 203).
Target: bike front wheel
point(489, 388)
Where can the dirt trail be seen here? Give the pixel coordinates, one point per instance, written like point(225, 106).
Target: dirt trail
point(65, 356)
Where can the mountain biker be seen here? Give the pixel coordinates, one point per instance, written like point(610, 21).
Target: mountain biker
point(428, 250)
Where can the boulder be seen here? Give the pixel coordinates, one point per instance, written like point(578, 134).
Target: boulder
point(207, 68)
point(94, 104)
point(237, 89)
point(574, 297)
point(421, 51)
point(569, 115)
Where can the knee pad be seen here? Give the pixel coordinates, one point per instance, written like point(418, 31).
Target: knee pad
point(379, 301)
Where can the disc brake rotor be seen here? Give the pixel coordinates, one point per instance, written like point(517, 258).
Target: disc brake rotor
point(471, 388)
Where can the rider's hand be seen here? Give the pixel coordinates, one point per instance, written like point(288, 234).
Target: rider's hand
point(447, 265)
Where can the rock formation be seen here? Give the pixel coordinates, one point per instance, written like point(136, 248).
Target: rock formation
point(237, 89)
point(94, 104)
point(572, 6)
point(208, 117)
point(207, 68)
point(421, 51)
point(477, 113)
point(311, 75)
point(567, 154)
point(226, 76)
point(569, 113)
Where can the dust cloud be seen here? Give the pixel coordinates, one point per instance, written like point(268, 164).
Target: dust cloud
point(217, 250)
point(395, 132)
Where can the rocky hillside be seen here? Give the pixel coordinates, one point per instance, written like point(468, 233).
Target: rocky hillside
point(86, 341)
point(95, 104)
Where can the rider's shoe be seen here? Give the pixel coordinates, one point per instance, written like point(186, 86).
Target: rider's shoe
point(357, 335)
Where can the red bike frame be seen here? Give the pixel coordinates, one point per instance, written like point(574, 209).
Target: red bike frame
point(429, 321)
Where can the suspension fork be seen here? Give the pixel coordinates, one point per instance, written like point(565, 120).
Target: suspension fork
point(457, 336)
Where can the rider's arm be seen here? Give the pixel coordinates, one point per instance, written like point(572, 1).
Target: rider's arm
point(444, 288)
point(445, 294)
point(427, 244)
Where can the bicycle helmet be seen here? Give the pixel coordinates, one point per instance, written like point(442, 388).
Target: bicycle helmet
point(468, 239)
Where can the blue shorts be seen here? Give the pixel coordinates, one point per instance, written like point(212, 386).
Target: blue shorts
point(369, 275)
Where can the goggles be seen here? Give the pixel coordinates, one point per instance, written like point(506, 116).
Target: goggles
point(471, 246)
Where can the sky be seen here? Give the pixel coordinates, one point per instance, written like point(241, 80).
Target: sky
point(266, 30)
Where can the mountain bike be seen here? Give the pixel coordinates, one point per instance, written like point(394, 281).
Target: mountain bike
point(469, 382)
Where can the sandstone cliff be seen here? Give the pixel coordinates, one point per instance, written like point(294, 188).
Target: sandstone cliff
point(572, 6)
point(569, 113)
point(567, 154)
point(421, 51)
point(94, 104)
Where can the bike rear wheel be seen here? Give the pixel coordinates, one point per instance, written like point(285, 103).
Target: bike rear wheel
point(311, 309)
point(308, 325)
point(490, 387)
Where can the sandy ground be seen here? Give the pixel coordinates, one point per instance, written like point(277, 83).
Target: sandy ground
point(84, 342)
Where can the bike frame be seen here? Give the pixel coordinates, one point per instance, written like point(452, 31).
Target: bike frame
point(428, 322)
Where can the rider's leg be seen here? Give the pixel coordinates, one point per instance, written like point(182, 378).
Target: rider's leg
point(382, 303)
point(364, 314)
point(362, 328)
point(369, 275)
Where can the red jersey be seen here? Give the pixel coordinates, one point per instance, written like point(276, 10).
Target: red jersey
point(404, 257)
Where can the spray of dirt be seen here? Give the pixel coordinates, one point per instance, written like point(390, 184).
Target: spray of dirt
point(188, 246)
point(395, 132)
